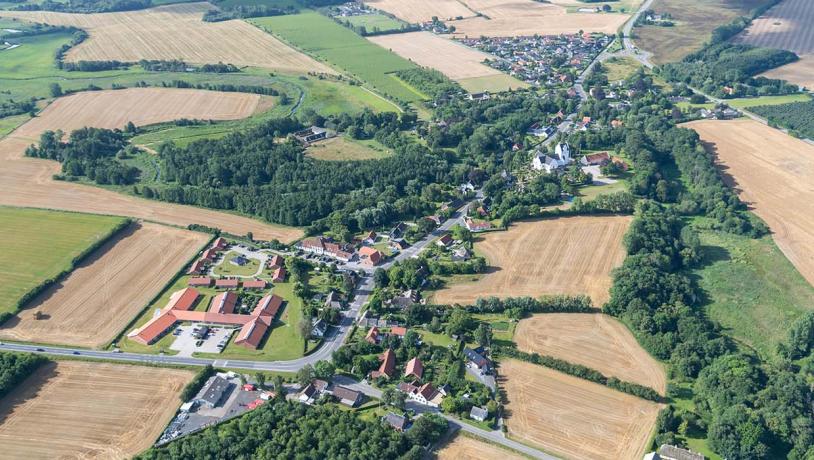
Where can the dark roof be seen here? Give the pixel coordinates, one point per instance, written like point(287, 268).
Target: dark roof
point(346, 394)
point(668, 452)
point(396, 421)
point(213, 391)
point(475, 357)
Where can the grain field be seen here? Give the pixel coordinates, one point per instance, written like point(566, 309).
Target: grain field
point(416, 11)
point(464, 447)
point(788, 26)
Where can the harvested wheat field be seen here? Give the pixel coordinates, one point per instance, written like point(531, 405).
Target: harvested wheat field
point(785, 26)
point(416, 11)
point(468, 448)
point(772, 173)
point(456, 61)
point(142, 106)
point(175, 32)
point(800, 72)
point(512, 18)
point(29, 182)
point(74, 409)
point(101, 296)
point(570, 255)
point(572, 417)
point(593, 340)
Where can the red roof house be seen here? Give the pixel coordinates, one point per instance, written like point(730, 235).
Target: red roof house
point(200, 281)
point(210, 254)
point(254, 284)
point(275, 261)
point(227, 283)
point(372, 335)
point(268, 306)
point(414, 368)
point(197, 267)
point(398, 331)
point(388, 366)
point(278, 276)
point(223, 303)
point(219, 244)
point(252, 333)
point(183, 299)
point(370, 256)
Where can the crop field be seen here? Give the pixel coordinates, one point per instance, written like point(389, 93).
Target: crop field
point(175, 32)
point(74, 409)
point(375, 22)
point(594, 340)
point(572, 417)
point(785, 26)
point(341, 148)
point(36, 245)
point(571, 255)
point(456, 61)
point(97, 300)
point(343, 49)
point(468, 448)
point(800, 72)
point(695, 20)
point(771, 171)
point(416, 11)
point(29, 182)
point(142, 106)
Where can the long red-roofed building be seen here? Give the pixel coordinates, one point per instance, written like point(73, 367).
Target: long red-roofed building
point(199, 281)
point(278, 276)
point(219, 244)
point(227, 283)
point(268, 306)
point(223, 303)
point(254, 284)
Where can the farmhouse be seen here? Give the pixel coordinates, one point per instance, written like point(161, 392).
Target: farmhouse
point(475, 226)
point(475, 360)
point(414, 368)
point(388, 366)
point(669, 452)
point(427, 394)
point(324, 246)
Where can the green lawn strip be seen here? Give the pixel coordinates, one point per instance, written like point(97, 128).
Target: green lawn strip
point(753, 291)
point(9, 124)
point(38, 245)
point(747, 102)
point(342, 48)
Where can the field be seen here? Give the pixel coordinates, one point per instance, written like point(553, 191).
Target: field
point(572, 255)
point(36, 245)
point(74, 409)
point(374, 22)
point(785, 26)
point(343, 49)
point(468, 448)
point(341, 148)
point(593, 340)
point(753, 291)
point(572, 417)
point(620, 68)
point(456, 61)
point(175, 32)
point(695, 20)
point(98, 299)
point(800, 72)
point(416, 11)
point(28, 182)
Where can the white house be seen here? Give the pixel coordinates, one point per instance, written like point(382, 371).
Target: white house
point(562, 157)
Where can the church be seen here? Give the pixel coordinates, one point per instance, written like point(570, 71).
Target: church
point(562, 157)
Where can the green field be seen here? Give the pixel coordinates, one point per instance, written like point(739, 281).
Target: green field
point(227, 268)
point(768, 100)
point(342, 48)
point(753, 291)
point(36, 245)
point(620, 68)
point(342, 148)
point(374, 22)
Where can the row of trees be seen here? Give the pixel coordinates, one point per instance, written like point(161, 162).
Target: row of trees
point(86, 6)
point(9, 108)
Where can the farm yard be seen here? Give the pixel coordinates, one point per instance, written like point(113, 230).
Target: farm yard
point(572, 417)
point(74, 409)
point(771, 172)
point(464, 447)
point(785, 26)
point(594, 340)
point(175, 32)
point(101, 296)
point(458, 62)
point(36, 245)
point(572, 255)
point(418, 11)
point(29, 182)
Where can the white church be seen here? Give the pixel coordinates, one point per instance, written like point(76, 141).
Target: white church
point(562, 157)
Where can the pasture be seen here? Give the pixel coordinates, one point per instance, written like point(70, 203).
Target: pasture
point(374, 22)
point(800, 72)
point(458, 62)
point(75, 409)
point(594, 340)
point(570, 255)
point(771, 171)
point(464, 447)
point(416, 11)
point(785, 26)
point(341, 148)
point(103, 294)
point(343, 49)
point(29, 182)
point(574, 418)
point(174, 32)
point(36, 245)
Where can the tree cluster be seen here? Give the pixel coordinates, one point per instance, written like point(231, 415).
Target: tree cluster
point(797, 117)
point(15, 367)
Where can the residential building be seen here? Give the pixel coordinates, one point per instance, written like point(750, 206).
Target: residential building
point(227, 283)
point(444, 241)
point(397, 422)
point(398, 331)
point(254, 284)
point(279, 275)
point(223, 303)
point(478, 413)
point(370, 238)
point(398, 230)
point(414, 368)
point(373, 336)
point(475, 226)
point(199, 281)
point(427, 394)
point(333, 300)
point(219, 244)
point(197, 267)
point(670, 452)
point(275, 261)
point(398, 244)
point(370, 256)
point(460, 255)
point(388, 366)
point(346, 396)
point(476, 360)
point(319, 328)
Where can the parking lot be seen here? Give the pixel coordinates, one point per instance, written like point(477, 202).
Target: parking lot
point(190, 340)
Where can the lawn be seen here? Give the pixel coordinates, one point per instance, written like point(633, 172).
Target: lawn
point(343, 49)
point(374, 22)
point(753, 291)
point(590, 192)
point(36, 245)
point(343, 148)
point(229, 268)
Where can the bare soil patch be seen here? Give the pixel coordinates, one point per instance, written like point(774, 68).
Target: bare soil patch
point(415, 11)
point(785, 26)
point(572, 417)
point(28, 181)
point(175, 32)
point(468, 448)
point(772, 173)
point(99, 298)
point(800, 72)
point(74, 409)
point(571, 255)
point(594, 340)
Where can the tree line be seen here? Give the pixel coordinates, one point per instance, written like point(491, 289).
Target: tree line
point(797, 117)
point(86, 6)
point(16, 367)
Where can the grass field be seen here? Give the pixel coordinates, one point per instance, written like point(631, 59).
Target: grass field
point(227, 268)
point(343, 49)
point(341, 148)
point(771, 172)
point(36, 245)
point(571, 255)
point(620, 68)
point(574, 418)
point(593, 340)
point(375, 22)
point(95, 302)
point(752, 290)
point(464, 447)
point(745, 103)
point(75, 409)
